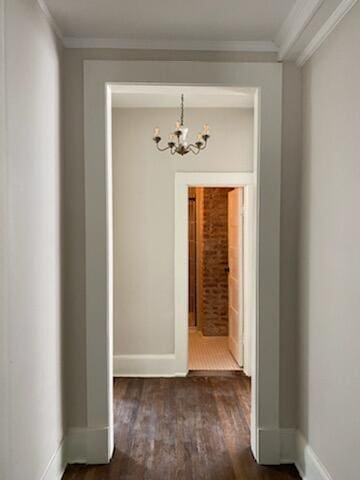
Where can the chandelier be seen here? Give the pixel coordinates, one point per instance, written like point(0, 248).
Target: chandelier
point(177, 140)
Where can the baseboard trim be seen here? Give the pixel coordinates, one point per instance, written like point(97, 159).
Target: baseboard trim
point(268, 446)
point(146, 366)
point(89, 445)
point(307, 462)
point(287, 445)
point(57, 464)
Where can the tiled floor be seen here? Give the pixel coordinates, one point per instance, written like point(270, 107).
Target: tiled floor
point(209, 353)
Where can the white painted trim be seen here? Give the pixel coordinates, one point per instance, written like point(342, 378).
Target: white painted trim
point(110, 265)
point(50, 19)
point(284, 439)
point(266, 78)
point(287, 445)
point(183, 180)
point(338, 14)
point(206, 45)
point(294, 24)
point(295, 449)
point(307, 462)
point(249, 272)
point(57, 464)
point(269, 445)
point(87, 445)
point(146, 366)
point(4, 360)
point(76, 445)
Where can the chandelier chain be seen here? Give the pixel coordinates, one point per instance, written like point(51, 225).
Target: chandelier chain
point(182, 110)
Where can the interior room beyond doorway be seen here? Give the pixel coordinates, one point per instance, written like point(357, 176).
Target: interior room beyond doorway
point(215, 234)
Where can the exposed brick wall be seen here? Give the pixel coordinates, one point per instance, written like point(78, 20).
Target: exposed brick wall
point(215, 259)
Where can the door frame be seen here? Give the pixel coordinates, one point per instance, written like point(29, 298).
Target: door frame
point(4, 261)
point(242, 251)
point(266, 80)
point(184, 180)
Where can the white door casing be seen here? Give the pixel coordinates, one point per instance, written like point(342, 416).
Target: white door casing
point(266, 79)
point(235, 276)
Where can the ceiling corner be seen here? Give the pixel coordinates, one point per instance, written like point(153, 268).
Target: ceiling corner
point(52, 22)
point(307, 26)
point(294, 25)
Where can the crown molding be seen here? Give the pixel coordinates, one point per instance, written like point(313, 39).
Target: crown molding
point(294, 25)
point(306, 27)
point(50, 19)
point(220, 46)
point(335, 18)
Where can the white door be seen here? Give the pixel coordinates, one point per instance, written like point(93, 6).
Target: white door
point(235, 280)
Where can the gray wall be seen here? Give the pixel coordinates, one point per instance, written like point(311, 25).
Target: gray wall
point(290, 191)
point(35, 373)
point(329, 304)
point(143, 186)
point(75, 218)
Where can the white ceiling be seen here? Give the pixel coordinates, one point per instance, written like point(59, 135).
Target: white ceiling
point(170, 20)
point(294, 29)
point(153, 96)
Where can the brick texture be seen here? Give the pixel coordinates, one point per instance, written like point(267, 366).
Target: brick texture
point(215, 259)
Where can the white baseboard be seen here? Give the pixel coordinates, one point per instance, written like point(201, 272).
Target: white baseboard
point(89, 445)
point(56, 466)
point(287, 445)
point(268, 446)
point(307, 462)
point(146, 366)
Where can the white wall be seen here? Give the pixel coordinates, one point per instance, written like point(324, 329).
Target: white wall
point(290, 191)
point(329, 328)
point(36, 410)
point(143, 189)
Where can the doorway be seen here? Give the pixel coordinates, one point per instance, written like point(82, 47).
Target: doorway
point(266, 81)
point(228, 185)
point(215, 235)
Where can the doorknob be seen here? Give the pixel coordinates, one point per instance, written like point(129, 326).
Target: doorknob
point(227, 269)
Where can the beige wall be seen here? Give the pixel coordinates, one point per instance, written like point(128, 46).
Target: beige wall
point(35, 368)
point(329, 329)
point(290, 188)
point(143, 186)
point(74, 210)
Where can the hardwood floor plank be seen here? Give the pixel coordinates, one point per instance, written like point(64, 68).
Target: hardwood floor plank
point(194, 428)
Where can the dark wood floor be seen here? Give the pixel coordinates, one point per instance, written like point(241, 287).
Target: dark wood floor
point(194, 428)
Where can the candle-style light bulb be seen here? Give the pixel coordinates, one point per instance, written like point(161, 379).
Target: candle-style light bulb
point(199, 137)
point(177, 126)
point(206, 129)
point(171, 138)
point(156, 132)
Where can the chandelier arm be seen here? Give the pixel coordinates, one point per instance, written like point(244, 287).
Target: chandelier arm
point(191, 148)
point(162, 149)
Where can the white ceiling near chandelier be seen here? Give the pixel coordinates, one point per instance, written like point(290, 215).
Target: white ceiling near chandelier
point(153, 96)
point(292, 28)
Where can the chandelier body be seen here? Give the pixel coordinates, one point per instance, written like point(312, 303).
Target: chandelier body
point(178, 139)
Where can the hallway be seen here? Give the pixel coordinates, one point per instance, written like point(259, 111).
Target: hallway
point(194, 428)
